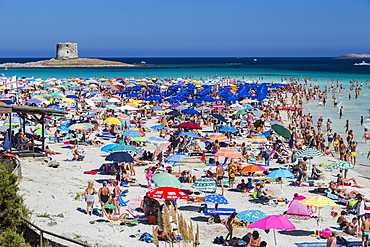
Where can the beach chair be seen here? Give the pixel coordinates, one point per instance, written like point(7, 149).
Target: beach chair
point(122, 202)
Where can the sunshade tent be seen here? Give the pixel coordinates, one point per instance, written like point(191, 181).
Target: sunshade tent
point(166, 180)
point(281, 130)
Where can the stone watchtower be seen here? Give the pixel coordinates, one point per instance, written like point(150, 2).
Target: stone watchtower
point(67, 50)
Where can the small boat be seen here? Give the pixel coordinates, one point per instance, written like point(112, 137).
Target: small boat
point(255, 60)
point(143, 62)
point(362, 63)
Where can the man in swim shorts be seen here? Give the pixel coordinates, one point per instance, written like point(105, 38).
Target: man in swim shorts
point(365, 231)
point(353, 147)
point(220, 175)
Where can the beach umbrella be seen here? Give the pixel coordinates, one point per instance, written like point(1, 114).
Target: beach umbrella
point(257, 114)
point(161, 148)
point(174, 113)
point(218, 106)
point(189, 134)
point(228, 129)
point(123, 117)
point(216, 199)
point(190, 111)
point(203, 108)
point(138, 139)
point(120, 157)
point(318, 202)
point(204, 184)
point(176, 157)
point(106, 148)
point(280, 173)
point(239, 112)
point(113, 100)
point(113, 120)
point(33, 101)
point(252, 168)
point(217, 138)
point(132, 133)
point(88, 125)
point(189, 125)
point(281, 130)
point(167, 193)
point(272, 122)
point(247, 107)
point(229, 152)
point(190, 162)
point(219, 117)
point(196, 101)
point(309, 152)
point(68, 100)
point(158, 127)
point(46, 132)
point(165, 179)
point(157, 108)
point(78, 126)
point(122, 147)
point(258, 139)
point(276, 222)
point(156, 140)
point(251, 215)
point(343, 165)
point(13, 120)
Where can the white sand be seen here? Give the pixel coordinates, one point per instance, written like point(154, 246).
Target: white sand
point(52, 191)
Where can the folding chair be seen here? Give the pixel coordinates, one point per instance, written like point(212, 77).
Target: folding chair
point(122, 202)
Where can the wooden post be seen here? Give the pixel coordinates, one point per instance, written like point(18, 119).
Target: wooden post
point(41, 238)
point(10, 131)
point(43, 134)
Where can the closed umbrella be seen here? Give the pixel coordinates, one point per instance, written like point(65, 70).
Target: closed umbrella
point(166, 180)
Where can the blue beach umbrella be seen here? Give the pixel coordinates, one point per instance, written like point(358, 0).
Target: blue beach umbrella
point(219, 117)
point(229, 129)
point(156, 140)
point(106, 148)
point(190, 134)
point(132, 133)
point(158, 127)
point(196, 101)
point(248, 107)
point(216, 199)
point(33, 101)
point(121, 157)
point(176, 157)
point(251, 215)
point(280, 173)
point(122, 147)
point(190, 111)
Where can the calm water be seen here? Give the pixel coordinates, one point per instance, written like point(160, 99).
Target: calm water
point(271, 69)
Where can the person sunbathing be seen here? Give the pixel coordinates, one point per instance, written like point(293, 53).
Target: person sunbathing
point(50, 152)
point(164, 236)
point(310, 184)
point(264, 192)
point(347, 181)
point(109, 214)
point(353, 227)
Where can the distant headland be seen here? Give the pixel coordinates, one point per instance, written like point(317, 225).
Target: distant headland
point(354, 56)
point(67, 57)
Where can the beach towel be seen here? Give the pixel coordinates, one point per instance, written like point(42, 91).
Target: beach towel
point(91, 172)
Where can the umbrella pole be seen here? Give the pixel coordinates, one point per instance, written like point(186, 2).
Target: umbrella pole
point(275, 237)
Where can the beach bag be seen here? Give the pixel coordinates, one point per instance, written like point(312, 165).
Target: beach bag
point(152, 220)
point(146, 237)
point(216, 219)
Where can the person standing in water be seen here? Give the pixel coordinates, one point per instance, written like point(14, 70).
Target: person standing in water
point(341, 112)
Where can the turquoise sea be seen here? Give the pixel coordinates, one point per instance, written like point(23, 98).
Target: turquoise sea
point(320, 70)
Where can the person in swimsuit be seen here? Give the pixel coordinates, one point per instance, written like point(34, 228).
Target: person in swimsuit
point(115, 194)
point(365, 231)
point(104, 194)
point(366, 136)
point(164, 236)
point(220, 175)
point(255, 240)
point(89, 198)
point(229, 225)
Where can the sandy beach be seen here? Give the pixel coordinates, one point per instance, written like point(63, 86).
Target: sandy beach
point(52, 194)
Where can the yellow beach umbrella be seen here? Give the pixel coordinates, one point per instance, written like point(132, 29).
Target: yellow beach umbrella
point(113, 120)
point(318, 201)
point(218, 138)
point(68, 100)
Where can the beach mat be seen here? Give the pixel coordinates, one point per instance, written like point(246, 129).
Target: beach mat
point(350, 244)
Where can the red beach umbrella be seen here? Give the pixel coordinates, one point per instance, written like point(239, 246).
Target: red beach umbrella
point(168, 193)
point(189, 125)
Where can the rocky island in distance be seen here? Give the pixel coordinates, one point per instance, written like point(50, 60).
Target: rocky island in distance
point(354, 56)
point(67, 57)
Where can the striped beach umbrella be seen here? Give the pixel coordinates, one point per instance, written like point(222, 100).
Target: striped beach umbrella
point(309, 152)
point(318, 201)
point(341, 165)
point(258, 139)
point(123, 117)
point(191, 162)
point(204, 184)
point(217, 138)
point(230, 153)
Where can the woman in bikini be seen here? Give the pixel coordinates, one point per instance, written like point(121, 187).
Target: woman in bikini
point(104, 194)
point(366, 136)
point(89, 198)
point(115, 194)
point(229, 225)
point(255, 240)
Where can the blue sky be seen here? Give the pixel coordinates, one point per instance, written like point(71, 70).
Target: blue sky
point(171, 28)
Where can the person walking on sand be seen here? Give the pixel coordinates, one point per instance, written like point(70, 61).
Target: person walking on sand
point(220, 176)
point(90, 198)
point(104, 194)
point(229, 225)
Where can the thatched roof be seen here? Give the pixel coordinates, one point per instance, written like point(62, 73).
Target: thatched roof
point(33, 109)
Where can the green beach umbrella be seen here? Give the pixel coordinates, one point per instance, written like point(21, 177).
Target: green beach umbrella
point(281, 130)
point(138, 139)
point(122, 147)
point(166, 180)
point(240, 112)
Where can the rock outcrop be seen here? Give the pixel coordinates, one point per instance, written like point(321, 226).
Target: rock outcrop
point(354, 56)
point(68, 63)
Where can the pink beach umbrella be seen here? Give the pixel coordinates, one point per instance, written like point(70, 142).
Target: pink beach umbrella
point(276, 222)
